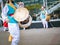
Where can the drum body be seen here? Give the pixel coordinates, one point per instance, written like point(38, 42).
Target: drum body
point(48, 18)
point(22, 16)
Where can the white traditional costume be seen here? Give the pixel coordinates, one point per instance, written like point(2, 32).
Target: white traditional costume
point(43, 18)
point(13, 26)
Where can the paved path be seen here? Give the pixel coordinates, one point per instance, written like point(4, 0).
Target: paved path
point(50, 36)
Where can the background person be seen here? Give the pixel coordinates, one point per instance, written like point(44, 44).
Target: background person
point(43, 16)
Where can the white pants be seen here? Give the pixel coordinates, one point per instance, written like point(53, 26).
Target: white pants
point(14, 31)
point(45, 23)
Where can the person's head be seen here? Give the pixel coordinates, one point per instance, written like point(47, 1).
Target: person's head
point(8, 1)
point(42, 8)
point(21, 4)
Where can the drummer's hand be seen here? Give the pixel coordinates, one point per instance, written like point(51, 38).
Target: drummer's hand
point(7, 20)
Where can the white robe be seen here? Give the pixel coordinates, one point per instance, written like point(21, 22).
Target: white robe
point(13, 27)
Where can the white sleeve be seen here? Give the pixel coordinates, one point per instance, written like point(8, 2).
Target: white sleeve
point(4, 12)
point(46, 14)
point(40, 14)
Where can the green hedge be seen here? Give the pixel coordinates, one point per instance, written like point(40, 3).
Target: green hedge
point(33, 6)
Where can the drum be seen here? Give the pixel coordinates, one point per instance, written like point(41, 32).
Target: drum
point(48, 18)
point(22, 16)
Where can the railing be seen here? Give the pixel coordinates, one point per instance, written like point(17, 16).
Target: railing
point(53, 8)
point(53, 4)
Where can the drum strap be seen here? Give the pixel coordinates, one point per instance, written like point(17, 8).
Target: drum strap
point(12, 6)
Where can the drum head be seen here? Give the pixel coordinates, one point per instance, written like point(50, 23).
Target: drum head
point(21, 14)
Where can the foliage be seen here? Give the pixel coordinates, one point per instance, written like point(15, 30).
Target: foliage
point(33, 6)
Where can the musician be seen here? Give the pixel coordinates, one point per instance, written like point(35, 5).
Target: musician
point(43, 17)
point(7, 15)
